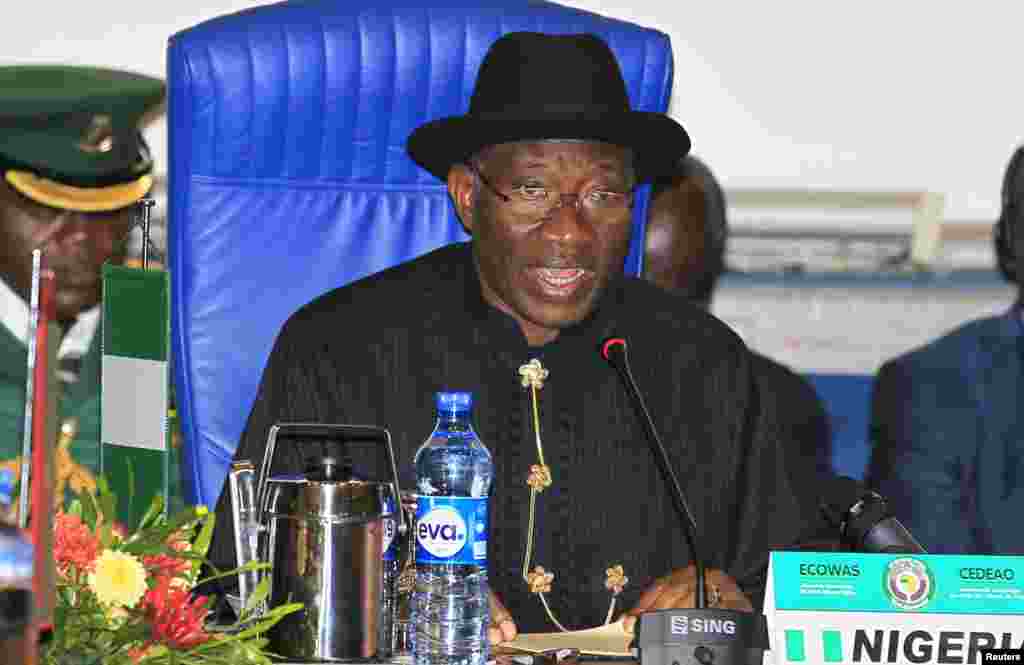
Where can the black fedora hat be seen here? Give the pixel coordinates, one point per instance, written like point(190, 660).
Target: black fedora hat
point(534, 86)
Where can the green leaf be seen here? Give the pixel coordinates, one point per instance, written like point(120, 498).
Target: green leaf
point(130, 508)
point(89, 511)
point(107, 534)
point(107, 500)
point(74, 508)
point(156, 507)
point(258, 595)
point(201, 545)
point(156, 538)
point(252, 565)
point(254, 630)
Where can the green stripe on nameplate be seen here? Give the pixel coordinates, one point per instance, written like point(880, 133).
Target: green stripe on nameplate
point(135, 387)
point(832, 646)
point(795, 651)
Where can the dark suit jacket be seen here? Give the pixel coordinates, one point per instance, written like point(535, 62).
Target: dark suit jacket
point(803, 423)
point(948, 438)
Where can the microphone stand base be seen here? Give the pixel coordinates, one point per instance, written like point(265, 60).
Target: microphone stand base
point(688, 636)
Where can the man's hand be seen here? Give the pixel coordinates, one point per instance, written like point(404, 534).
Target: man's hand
point(679, 590)
point(503, 627)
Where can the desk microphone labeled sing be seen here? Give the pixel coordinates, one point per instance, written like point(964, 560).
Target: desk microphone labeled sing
point(684, 636)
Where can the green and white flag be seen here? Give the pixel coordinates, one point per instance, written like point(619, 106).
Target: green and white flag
point(135, 387)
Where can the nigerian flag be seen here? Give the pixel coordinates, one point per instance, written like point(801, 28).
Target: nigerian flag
point(135, 387)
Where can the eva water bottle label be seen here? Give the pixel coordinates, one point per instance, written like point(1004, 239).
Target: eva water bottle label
point(451, 529)
point(389, 530)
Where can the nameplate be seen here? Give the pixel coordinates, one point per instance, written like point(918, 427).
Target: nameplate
point(893, 608)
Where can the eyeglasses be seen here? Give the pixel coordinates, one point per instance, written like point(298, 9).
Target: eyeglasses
point(538, 201)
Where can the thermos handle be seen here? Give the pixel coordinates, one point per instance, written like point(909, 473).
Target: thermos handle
point(332, 431)
point(243, 502)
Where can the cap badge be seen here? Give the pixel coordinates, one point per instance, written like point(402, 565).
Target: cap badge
point(99, 137)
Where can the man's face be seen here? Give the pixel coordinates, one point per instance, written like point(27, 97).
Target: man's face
point(546, 269)
point(75, 245)
point(675, 245)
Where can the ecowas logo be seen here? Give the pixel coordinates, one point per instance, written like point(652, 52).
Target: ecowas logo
point(908, 583)
point(442, 532)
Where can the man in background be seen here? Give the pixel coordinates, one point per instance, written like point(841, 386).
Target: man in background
point(946, 423)
point(72, 166)
point(687, 230)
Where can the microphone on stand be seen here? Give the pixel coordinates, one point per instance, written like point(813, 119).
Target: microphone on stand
point(864, 521)
point(614, 351)
point(702, 635)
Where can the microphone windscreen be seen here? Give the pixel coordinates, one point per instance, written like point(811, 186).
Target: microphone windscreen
point(838, 494)
point(612, 347)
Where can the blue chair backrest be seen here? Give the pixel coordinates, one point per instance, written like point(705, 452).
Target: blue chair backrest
point(288, 174)
point(847, 400)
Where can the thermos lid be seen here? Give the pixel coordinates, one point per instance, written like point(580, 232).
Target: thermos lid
point(328, 490)
point(328, 469)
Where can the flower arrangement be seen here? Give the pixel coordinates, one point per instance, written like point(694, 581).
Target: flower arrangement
point(126, 597)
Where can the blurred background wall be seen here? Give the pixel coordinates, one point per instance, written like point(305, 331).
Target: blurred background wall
point(914, 100)
point(910, 95)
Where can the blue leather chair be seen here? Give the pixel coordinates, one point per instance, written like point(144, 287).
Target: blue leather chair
point(288, 174)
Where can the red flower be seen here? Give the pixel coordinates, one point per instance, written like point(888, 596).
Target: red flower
point(169, 565)
point(175, 618)
point(166, 565)
point(138, 653)
point(74, 545)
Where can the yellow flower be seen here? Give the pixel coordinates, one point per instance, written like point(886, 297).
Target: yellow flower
point(539, 580)
point(540, 477)
point(615, 579)
point(119, 579)
point(533, 374)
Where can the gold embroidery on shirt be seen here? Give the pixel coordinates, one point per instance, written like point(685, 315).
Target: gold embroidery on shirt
point(539, 580)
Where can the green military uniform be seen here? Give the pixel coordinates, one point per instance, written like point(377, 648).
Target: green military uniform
point(79, 400)
point(70, 140)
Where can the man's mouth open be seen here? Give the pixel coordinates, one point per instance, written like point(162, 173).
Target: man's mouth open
point(561, 281)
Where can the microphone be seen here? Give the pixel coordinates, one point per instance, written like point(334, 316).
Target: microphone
point(614, 351)
point(703, 635)
point(864, 520)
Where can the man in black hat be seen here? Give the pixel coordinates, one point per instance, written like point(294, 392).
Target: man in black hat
point(72, 165)
point(542, 172)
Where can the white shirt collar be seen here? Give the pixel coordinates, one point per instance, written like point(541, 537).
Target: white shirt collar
point(14, 315)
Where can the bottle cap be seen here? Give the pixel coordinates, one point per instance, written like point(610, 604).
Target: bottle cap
point(453, 402)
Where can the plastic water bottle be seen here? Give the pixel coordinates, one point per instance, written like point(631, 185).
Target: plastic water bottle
point(388, 606)
point(450, 602)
